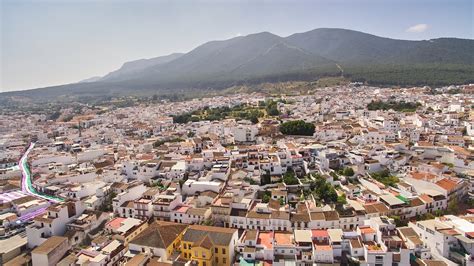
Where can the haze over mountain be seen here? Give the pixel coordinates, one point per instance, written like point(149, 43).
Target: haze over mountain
point(267, 57)
point(134, 67)
point(92, 79)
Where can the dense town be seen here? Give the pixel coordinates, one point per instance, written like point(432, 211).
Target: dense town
point(348, 175)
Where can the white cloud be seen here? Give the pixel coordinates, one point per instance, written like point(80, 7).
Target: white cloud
point(418, 28)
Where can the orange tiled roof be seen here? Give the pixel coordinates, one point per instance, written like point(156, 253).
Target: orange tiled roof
point(447, 184)
point(425, 198)
point(283, 238)
point(422, 175)
point(116, 223)
point(460, 150)
point(367, 230)
point(323, 247)
point(425, 144)
point(265, 239)
point(319, 233)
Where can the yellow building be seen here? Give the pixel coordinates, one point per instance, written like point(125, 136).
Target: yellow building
point(209, 245)
point(161, 239)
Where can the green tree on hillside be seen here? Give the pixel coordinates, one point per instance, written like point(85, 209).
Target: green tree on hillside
point(297, 127)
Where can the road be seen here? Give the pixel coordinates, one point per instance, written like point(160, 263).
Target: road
point(26, 183)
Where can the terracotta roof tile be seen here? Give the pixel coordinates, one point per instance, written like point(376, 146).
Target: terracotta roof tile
point(448, 184)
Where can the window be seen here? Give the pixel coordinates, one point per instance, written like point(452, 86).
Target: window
point(224, 260)
point(203, 263)
point(216, 250)
point(223, 250)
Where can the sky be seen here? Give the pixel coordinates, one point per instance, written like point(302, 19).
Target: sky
point(45, 43)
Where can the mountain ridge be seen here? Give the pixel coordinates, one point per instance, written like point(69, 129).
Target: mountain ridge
point(135, 66)
point(264, 56)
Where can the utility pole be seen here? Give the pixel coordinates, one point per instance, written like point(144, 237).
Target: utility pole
point(79, 127)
